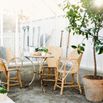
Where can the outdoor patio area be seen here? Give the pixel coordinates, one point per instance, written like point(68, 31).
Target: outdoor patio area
point(51, 51)
point(34, 93)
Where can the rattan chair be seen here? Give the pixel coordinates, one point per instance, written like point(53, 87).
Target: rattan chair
point(73, 62)
point(11, 67)
point(48, 72)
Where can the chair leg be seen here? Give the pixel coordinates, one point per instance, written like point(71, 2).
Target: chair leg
point(62, 87)
point(72, 78)
point(41, 77)
point(56, 79)
point(19, 78)
point(8, 81)
point(63, 80)
point(49, 72)
point(78, 82)
point(41, 83)
point(55, 85)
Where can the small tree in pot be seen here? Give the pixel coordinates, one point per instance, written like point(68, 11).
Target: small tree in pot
point(87, 20)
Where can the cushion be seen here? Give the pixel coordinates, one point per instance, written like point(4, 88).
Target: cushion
point(3, 53)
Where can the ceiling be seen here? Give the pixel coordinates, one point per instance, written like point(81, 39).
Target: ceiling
point(34, 9)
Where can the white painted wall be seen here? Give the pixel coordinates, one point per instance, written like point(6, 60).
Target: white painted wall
point(53, 27)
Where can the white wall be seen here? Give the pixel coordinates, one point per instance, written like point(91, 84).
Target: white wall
point(53, 27)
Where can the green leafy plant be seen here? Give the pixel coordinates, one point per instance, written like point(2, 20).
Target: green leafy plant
point(41, 50)
point(2, 90)
point(87, 20)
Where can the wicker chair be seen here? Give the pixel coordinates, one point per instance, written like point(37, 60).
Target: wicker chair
point(10, 66)
point(73, 60)
point(48, 73)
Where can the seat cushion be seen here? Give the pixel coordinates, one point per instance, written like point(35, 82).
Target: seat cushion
point(3, 53)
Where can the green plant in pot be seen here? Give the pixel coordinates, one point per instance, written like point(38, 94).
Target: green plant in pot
point(87, 20)
point(42, 50)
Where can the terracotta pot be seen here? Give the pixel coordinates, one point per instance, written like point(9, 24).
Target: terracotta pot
point(93, 89)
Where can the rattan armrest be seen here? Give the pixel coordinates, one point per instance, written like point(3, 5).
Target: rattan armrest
point(13, 69)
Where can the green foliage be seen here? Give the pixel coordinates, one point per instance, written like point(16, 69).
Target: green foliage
point(41, 50)
point(3, 90)
point(80, 48)
point(99, 48)
point(86, 20)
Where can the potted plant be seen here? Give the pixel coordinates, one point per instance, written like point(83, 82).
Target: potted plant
point(87, 20)
point(42, 50)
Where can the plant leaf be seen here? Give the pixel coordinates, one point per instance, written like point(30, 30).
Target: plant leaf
point(73, 46)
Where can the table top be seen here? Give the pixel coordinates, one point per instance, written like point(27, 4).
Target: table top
point(40, 56)
point(5, 99)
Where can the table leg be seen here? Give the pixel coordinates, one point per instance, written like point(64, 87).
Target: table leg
point(33, 71)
